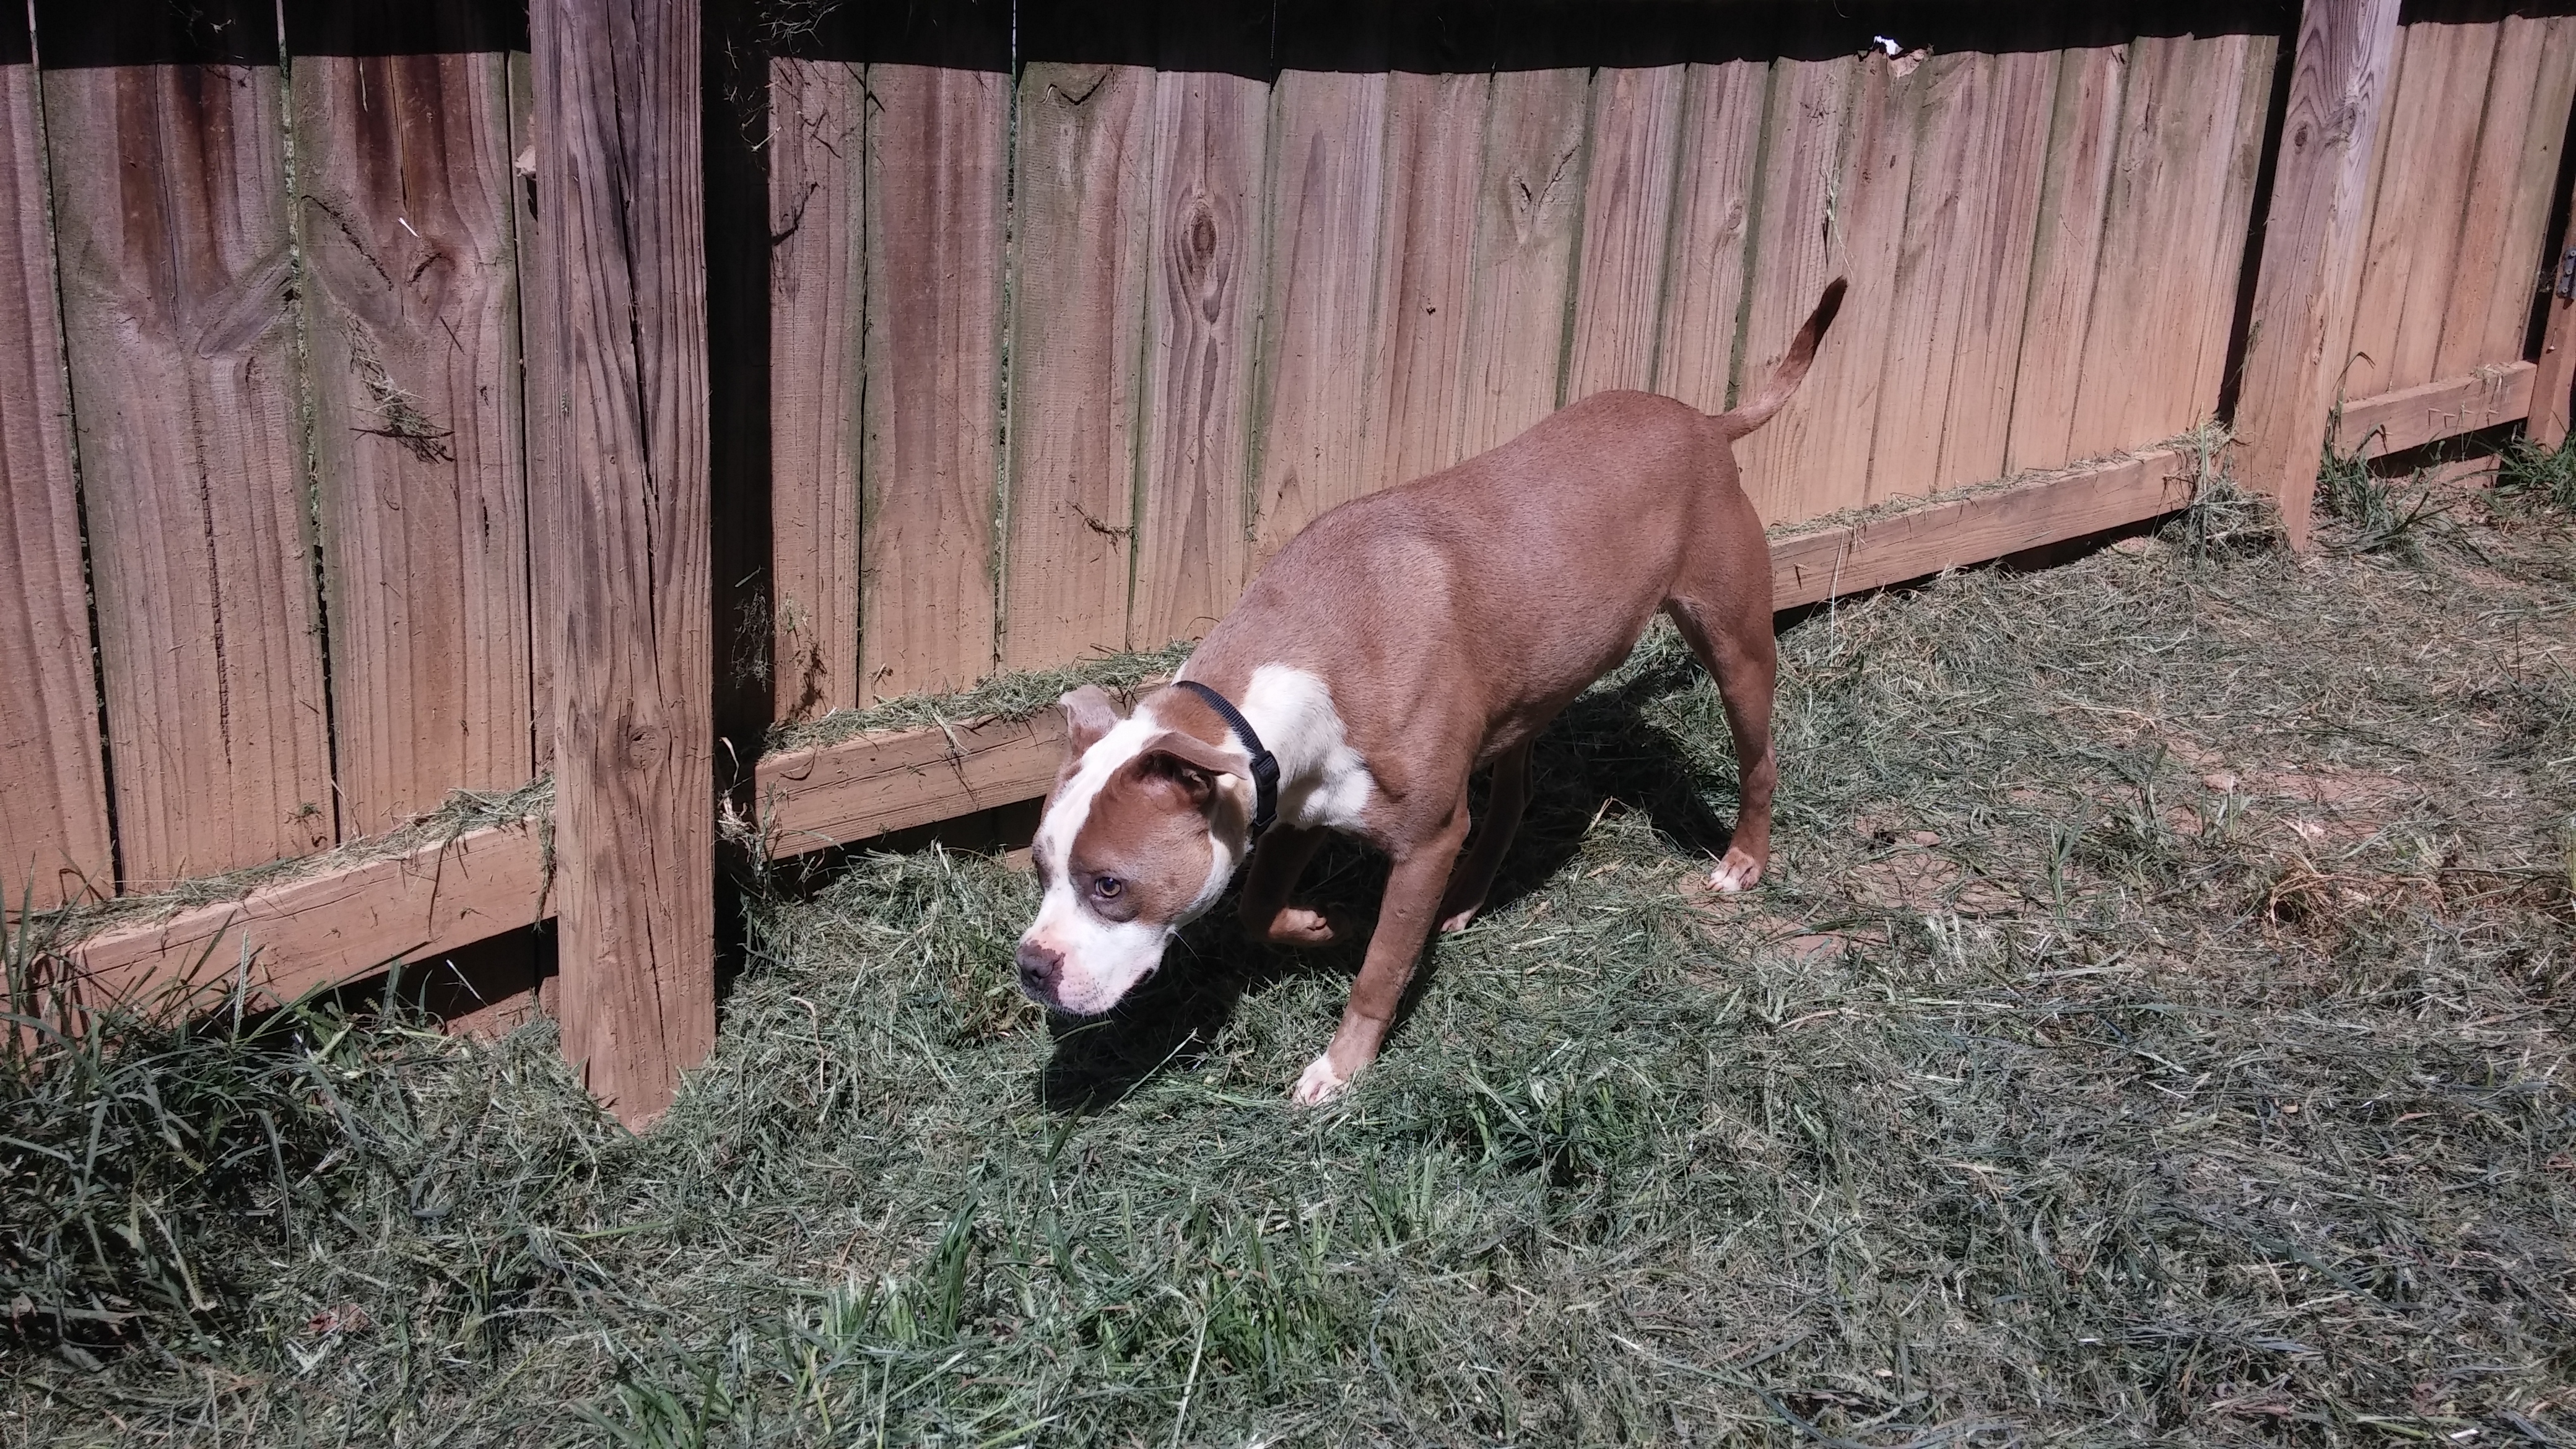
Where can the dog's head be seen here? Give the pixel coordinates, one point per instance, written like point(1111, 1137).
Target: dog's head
point(1138, 839)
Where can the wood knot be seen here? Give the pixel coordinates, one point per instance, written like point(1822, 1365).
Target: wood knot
point(646, 745)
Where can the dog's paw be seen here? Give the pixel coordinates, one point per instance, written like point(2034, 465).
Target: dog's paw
point(1297, 926)
point(1456, 920)
point(1319, 1083)
point(1737, 872)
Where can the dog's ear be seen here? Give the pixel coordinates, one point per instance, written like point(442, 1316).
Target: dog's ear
point(1089, 713)
point(1188, 761)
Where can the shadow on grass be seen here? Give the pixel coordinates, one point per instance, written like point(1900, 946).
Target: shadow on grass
point(1602, 751)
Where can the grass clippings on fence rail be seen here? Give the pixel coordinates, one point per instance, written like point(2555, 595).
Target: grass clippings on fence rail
point(2156, 1023)
point(1005, 696)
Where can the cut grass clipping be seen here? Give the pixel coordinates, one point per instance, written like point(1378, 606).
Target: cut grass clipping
point(2156, 1023)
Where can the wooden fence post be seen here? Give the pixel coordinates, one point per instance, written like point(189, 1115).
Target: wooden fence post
point(2550, 402)
point(2312, 243)
point(622, 525)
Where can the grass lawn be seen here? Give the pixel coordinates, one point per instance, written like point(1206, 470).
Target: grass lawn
point(2157, 1024)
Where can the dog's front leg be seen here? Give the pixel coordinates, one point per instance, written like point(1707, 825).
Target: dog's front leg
point(1276, 864)
point(1414, 886)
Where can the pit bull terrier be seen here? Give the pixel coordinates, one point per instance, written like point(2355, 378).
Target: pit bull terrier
point(1400, 642)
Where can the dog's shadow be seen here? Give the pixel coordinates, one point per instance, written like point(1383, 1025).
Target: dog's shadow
point(1602, 751)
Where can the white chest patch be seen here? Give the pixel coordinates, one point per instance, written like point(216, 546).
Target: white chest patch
point(1323, 782)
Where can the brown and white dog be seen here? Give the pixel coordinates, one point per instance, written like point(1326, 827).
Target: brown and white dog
point(1396, 645)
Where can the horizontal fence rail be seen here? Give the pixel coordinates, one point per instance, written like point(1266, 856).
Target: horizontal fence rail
point(334, 484)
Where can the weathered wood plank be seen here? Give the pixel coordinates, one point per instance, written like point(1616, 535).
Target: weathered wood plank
point(53, 816)
point(2428, 412)
point(403, 211)
point(1084, 166)
point(1435, 135)
point(1704, 279)
point(2312, 243)
point(2417, 212)
point(1629, 191)
point(2504, 230)
point(2010, 158)
point(339, 925)
point(818, 119)
point(1810, 568)
point(539, 409)
point(625, 519)
point(896, 779)
point(1203, 307)
point(937, 144)
point(2084, 131)
point(169, 193)
point(2169, 251)
point(1529, 217)
point(1828, 213)
point(1324, 335)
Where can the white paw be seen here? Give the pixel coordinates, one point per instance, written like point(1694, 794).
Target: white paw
point(1737, 872)
point(1319, 1083)
point(1452, 925)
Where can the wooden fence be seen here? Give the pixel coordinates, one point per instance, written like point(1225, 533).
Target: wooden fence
point(388, 412)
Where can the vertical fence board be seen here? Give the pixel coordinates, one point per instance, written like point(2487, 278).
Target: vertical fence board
point(169, 192)
point(1203, 305)
point(621, 192)
point(2501, 237)
point(1084, 165)
point(1628, 194)
point(1936, 278)
point(2418, 210)
point(1721, 135)
point(2341, 69)
point(1828, 210)
point(2067, 248)
point(2011, 155)
point(937, 148)
point(1529, 215)
point(1324, 331)
point(403, 210)
point(1435, 137)
point(2166, 268)
point(53, 816)
point(818, 119)
point(540, 409)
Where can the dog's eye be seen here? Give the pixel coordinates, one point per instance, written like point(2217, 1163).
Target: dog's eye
point(1108, 887)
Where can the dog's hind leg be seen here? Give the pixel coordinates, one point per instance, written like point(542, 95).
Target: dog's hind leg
point(1276, 864)
point(1723, 606)
point(1474, 878)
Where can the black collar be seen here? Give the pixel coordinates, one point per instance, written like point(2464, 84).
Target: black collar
point(1265, 767)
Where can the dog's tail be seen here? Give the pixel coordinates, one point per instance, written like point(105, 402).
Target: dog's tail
point(1792, 369)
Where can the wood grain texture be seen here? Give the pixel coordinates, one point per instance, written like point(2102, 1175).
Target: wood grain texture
point(540, 410)
point(896, 779)
point(625, 520)
point(2312, 242)
point(818, 118)
point(1084, 216)
point(1324, 335)
point(1913, 543)
point(2009, 159)
point(1930, 301)
point(2083, 138)
point(170, 199)
point(2504, 228)
point(53, 817)
point(1721, 126)
point(2417, 212)
point(1435, 139)
point(937, 147)
point(2173, 239)
point(331, 928)
point(2552, 406)
point(1833, 206)
point(1529, 219)
point(1629, 190)
point(411, 322)
point(1202, 311)
point(2410, 417)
